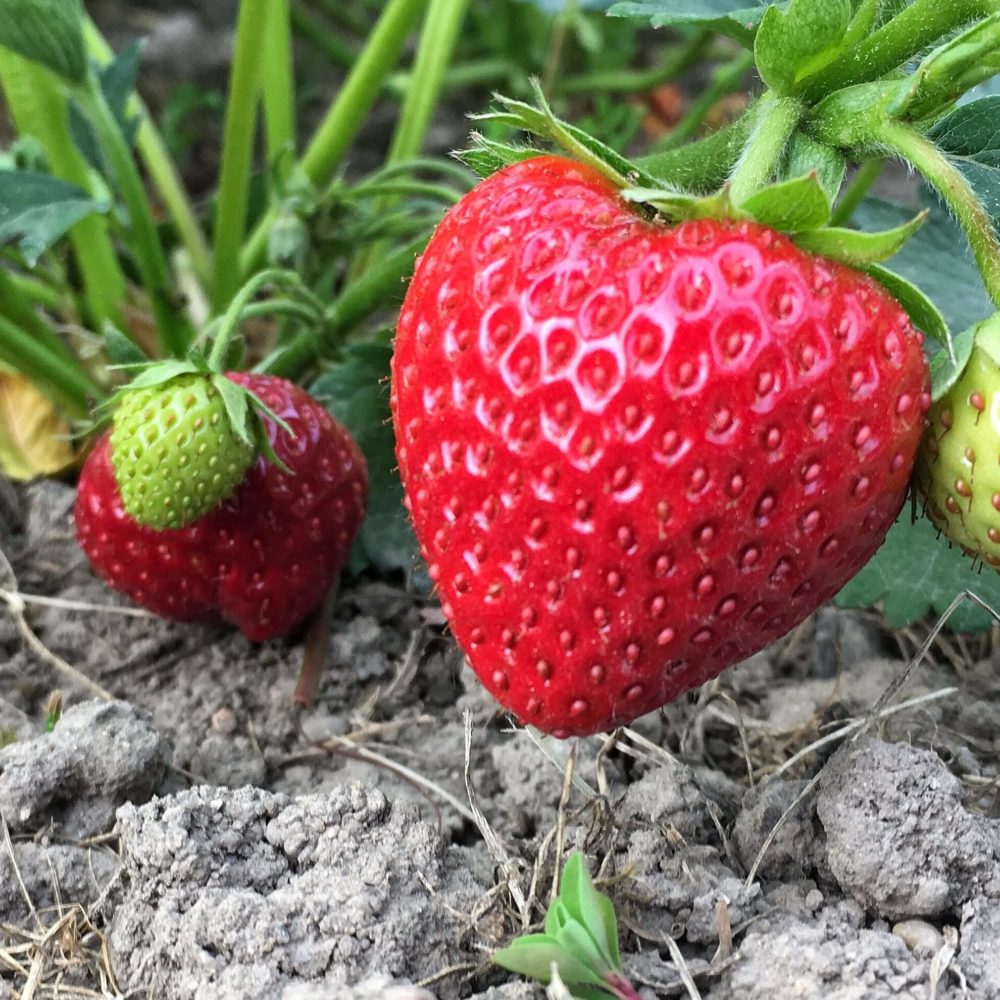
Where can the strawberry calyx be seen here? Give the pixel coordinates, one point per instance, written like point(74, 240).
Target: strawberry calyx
point(182, 440)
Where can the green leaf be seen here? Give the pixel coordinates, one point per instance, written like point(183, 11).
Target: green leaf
point(572, 140)
point(971, 136)
point(793, 45)
point(583, 903)
point(915, 573)
point(36, 210)
point(486, 156)
point(578, 941)
point(807, 156)
point(121, 350)
point(857, 248)
point(49, 32)
point(937, 259)
point(117, 81)
point(736, 18)
point(946, 368)
point(533, 955)
point(790, 206)
point(922, 311)
point(356, 391)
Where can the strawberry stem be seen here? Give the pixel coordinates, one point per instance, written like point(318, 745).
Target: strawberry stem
point(956, 192)
point(241, 301)
point(911, 31)
point(775, 119)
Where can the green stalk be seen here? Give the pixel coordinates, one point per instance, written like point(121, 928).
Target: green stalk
point(560, 32)
point(308, 26)
point(16, 309)
point(380, 284)
point(144, 242)
point(38, 108)
point(347, 113)
point(26, 286)
point(162, 171)
point(437, 44)
point(638, 82)
point(237, 149)
point(279, 89)
point(775, 119)
point(868, 173)
point(62, 381)
point(725, 80)
point(479, 73)
point(955, 191)
point(703, 166)
point(911, 31)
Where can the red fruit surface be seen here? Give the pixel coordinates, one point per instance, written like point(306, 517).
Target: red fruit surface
point(634, 455)
point(267, 556)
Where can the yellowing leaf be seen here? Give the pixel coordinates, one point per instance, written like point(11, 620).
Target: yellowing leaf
point(34, 439)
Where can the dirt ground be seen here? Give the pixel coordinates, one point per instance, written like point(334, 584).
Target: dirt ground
point(201, 836)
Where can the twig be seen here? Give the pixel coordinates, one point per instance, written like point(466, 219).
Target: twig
point(683, 971)
point(497, 851)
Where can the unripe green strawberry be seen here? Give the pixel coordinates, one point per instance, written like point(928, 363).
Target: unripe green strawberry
point(175, 451)
point(957, 470)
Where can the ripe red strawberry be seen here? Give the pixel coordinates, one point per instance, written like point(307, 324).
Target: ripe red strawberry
point(634, 454)
point(267, 556)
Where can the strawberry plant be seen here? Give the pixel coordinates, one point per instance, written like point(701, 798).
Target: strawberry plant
point(651, 414)
point(649, 411)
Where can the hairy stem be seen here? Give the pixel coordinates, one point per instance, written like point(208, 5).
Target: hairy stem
point(775, 119)
point(955, 191)
point(910, 32)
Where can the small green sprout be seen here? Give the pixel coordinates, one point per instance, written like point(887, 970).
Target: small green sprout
point(580, 942)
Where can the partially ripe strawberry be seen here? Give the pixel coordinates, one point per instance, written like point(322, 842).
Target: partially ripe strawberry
point(957, 472)
point(633, 454)
point(175, 452)
point(265, 557)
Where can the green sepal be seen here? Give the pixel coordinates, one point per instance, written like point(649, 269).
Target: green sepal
point(534, 954)
point(49, 32)
point(953, 68)
point(925, 315)
point(987, 337)
point(571, 140)
point(946, 368)
point(486, 156)
point(244, 408)
point(237, 407)
point(856, 247)
point(162, 371)
point(806, 156)
point(793, 44)
point(678, 206)
point(790, 206)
